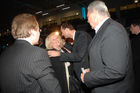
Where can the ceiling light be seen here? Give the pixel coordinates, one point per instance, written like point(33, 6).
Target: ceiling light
point(56, 33)
point(65, 8)
point(60, 5)
point(38, 12)
point(77, 13)
point(45, 14)
point(50, 19)
point(136, 1)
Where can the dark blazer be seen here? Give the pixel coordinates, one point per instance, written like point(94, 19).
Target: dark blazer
point(110, 60)
point(60, 73)
point(26, 69)
point(135, 44)
point(79, 53)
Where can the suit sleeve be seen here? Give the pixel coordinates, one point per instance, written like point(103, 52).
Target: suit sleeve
point(114, 52)
point(80, 45)
point(43, 73)
point(68, 46)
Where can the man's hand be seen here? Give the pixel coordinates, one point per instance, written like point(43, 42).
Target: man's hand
point(82, 74)
point(52, 53)
point(67, 50)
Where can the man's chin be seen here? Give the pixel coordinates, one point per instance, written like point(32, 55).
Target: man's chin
point(36, 43)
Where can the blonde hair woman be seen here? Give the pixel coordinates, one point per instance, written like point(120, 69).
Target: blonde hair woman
point(54, 42)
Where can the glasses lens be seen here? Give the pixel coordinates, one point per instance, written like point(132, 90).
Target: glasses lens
point(40, 30)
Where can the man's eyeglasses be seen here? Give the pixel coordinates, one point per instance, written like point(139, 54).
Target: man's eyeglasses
point(40, 30)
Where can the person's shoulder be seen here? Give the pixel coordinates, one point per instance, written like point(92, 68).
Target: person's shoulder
point(115, 23)
point(84, 34)
point(38, 49)
point(115, 26)
point(38, 53)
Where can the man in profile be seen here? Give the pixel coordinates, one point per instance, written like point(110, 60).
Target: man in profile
point(25, 68)
point(111, 69)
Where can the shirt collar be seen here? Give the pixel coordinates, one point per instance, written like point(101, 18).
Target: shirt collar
point(74, 35)
point(26, 39)
point(100, 24)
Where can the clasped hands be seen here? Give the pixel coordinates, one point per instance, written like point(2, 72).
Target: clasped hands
point(54, 53)
point(83, 74)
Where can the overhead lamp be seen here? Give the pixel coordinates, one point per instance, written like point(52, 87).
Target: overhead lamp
point(56, 32)
point(136, 1)
point(45, 14)
point(76, 13)
point(65, 8)
point(60, 5)
point(50, 19)
point(38, 12)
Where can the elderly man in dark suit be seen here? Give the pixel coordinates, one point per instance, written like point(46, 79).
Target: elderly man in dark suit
point(25, 68)
point(111, 69)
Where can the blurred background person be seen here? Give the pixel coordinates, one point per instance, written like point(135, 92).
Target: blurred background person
point(111, 68)
point(25, 68)
point(135, 28)
point(54, 42)
point(135, 44)
point(41, 43)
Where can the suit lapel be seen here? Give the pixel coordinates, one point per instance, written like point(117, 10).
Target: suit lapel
point(100, 32)
point(76, 35)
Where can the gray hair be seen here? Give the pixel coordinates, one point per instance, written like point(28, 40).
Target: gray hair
point(100, 7)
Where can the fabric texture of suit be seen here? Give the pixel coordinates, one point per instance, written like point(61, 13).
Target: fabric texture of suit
point(60, 73)
point(26, 69)
point(135, 44)
point(79, 53)
point(111, 69)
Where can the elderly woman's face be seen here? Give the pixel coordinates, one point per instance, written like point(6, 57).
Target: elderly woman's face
point(55, 42)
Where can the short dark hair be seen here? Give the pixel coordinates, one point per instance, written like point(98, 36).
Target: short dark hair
point(67, 25)
point(136, 23)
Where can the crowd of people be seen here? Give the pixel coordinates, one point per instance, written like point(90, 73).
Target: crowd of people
point(102, 64)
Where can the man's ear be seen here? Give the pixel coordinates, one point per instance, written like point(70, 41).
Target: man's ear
point(32, 32)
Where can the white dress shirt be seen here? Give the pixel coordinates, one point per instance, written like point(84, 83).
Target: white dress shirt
point(100, 24)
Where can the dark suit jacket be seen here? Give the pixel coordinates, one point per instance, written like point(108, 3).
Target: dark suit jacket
point(26, 69)
point(79, 53)
point(135, 44)
point(60, 73)
point(110, 60)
